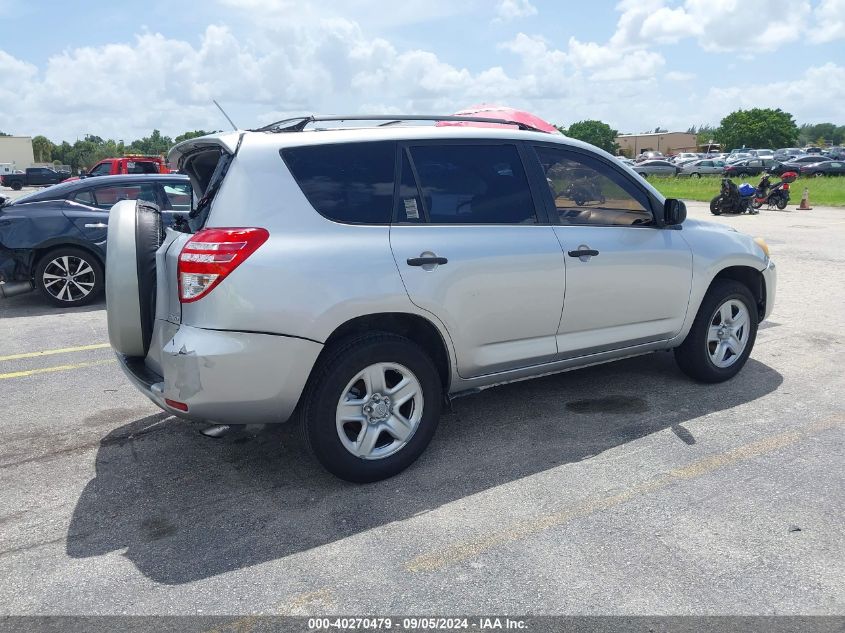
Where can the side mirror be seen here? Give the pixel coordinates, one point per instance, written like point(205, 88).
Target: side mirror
point(674, 212)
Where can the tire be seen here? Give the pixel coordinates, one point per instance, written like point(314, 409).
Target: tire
point(695, 175)
point(335, 378)
point(715, 205)
point(781, 203)
point(134, 236)
point(69, 277)
point(695, 356)
point(756, 205)
point(17, 185)
point(818, 174)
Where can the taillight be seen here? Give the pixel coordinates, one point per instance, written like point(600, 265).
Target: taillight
point(210, 255)
point(786, 186)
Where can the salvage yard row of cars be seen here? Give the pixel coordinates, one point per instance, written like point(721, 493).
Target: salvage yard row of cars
point(741, 163)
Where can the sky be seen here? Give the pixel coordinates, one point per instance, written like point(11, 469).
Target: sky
point(119, 69)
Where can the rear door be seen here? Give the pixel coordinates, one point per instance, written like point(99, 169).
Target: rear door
point(89, 208)
point(627, 280)
point(474, 249)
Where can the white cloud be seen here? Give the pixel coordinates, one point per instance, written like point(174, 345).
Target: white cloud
point(508, 10)
point(830, 21)
point(717, 25)
point(677, 75)
point(282, 59)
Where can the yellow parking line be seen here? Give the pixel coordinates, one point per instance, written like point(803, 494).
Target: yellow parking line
point(49, 352)
point(46, 370)
point(437, 559)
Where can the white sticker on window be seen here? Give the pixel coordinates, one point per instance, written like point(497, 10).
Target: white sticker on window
point(411, 211)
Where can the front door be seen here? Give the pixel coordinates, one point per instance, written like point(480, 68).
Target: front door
point(627, 280)
point(473, 251)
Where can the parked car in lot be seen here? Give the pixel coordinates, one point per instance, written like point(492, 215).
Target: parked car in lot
point(655, 168)
point(797, 163)
point(684, 156)
point(374, 270)
point(33, 177)
point(762, 153)
point(825, 168)
point(55, 240)
point(650, 155)
point(782, 153)
point(698, 168)
point(748, 167)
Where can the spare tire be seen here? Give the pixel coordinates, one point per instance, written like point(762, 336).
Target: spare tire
point(135, 234)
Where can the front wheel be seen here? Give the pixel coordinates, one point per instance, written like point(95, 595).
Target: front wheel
point(69, 277)
point(372, 407)
point(756, 204)
point(818, 174)
point(695, 175)
point(722, 335)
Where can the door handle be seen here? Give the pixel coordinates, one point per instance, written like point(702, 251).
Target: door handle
point(426, 261)
point(583, 252)
point(98, 225)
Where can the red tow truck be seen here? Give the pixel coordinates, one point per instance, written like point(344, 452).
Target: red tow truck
point(129, 164)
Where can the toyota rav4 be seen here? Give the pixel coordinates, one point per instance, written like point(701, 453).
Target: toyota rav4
point(355, 278)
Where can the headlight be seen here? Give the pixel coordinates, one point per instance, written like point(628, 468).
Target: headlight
point(762, 244)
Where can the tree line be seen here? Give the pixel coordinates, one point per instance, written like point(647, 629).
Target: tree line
point(86, 152)
point(756, 128)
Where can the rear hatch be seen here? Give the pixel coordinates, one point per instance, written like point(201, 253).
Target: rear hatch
point(205, 160)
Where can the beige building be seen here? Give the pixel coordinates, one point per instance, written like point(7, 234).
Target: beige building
point(16, 151)
point(632, 145)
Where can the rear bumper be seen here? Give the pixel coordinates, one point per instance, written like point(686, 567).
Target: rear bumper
point(226, 377)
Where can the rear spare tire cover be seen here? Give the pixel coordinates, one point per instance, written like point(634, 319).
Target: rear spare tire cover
point(134, 236)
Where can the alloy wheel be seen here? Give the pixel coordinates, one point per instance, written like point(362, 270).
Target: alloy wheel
point(379, 410)
point(727, 335)
point(68, 278)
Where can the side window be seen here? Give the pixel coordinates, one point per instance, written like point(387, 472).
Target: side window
point(587, 191)
point(141, 167)
point(178, 195)
point(84, 197)
point(473, 184)
point(107, 197)
point(346, 182)
point(706, 163)
point(103, 169)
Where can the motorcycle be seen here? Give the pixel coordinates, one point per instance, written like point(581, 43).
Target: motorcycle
point(733, 199)
point(776, 195)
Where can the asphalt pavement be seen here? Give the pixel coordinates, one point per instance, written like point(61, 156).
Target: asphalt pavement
point(618, 489)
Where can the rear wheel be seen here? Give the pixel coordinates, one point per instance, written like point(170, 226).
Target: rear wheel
point(695, 175)
point(69, 277)
point(716, 205)
point(818, 174)
point(781, 203)
point(372, 407)
point(722, 335)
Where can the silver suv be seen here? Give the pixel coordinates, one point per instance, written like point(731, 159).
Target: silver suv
point(356, 278)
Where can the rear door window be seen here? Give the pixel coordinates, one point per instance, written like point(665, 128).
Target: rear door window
point(178, 195)
point(350, 182)
point(473, 184)
point(106, 197)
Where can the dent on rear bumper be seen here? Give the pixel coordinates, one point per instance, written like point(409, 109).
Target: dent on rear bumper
point(231, 377)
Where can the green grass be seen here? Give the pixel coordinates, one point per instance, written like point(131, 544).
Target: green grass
point(828, 191)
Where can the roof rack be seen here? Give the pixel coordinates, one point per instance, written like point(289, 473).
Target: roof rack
point(298, 124)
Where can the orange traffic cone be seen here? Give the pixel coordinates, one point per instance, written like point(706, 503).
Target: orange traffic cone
point(805, 201)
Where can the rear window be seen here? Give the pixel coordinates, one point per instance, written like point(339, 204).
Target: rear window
point(350, 183)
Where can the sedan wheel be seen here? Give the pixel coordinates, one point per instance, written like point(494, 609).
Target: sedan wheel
point(695, 175)
point(69, 277)
point(818, 174)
